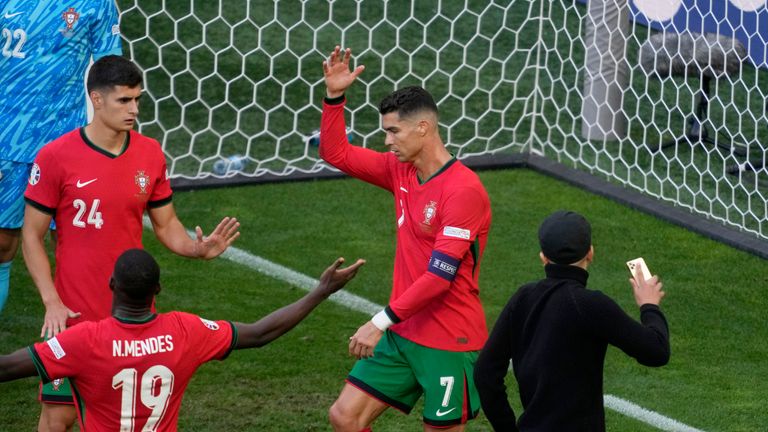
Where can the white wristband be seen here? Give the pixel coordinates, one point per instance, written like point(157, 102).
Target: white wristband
point(381, 321)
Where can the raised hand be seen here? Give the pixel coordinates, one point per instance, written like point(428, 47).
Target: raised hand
point(226, 232)
point(338, 76)
point(334, 278)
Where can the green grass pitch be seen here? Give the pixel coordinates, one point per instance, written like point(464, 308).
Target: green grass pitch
point(715, 304)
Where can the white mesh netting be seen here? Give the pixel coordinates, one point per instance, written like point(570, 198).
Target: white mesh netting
point(243, 78)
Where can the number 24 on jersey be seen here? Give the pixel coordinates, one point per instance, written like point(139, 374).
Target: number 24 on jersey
point(94, 215)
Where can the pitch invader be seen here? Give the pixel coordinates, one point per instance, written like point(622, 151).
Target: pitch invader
point(97, 181)
point(46, 48)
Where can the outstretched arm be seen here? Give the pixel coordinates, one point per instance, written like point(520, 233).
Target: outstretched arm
point(284, 319)
point(171, 233)
point(16, 365)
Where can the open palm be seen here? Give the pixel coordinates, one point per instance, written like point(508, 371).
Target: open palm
point(338, 75)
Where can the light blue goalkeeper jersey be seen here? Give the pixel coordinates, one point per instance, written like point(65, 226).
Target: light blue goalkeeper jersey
point(46, 47)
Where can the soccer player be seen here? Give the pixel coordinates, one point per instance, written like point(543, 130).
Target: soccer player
point(130, 370)
point(97, 181)
point(556, 333)
point(47, 46)
point(427, 338)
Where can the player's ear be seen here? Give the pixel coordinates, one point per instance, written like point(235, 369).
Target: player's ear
point(157, 289)
point(111, 283)
point(96, 98)
point(591, 254)
point(423, 126)
point(543, 258)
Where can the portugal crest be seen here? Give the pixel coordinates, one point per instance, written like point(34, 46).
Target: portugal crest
point(142, 181)
point(56, 384)
point(429, 212)
point(70, 17)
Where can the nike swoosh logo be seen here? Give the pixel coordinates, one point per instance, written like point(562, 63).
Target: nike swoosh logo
point(9, 15)
point(441, 413)
point(84, 184)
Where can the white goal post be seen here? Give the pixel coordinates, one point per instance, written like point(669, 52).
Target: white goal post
point(234, 88)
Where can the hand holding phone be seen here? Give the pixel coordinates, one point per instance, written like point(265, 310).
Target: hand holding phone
point(649, 289)
point(632, 265)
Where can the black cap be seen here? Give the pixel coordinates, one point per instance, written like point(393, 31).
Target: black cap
point(565, 237)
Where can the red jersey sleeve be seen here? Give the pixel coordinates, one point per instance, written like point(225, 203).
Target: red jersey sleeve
point(161, 192)
point(64, 355)
point(209, 340)
point(362, 163)
point(463, 217)
point(45, 180)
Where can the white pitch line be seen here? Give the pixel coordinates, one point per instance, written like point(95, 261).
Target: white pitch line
point(360, 304)
point(299, 280)
point(292, 277)
point(646, 416)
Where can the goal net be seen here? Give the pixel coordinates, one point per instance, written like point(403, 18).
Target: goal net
point(234, 88)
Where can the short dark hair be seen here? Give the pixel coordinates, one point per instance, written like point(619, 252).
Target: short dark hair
point(136, 274)
point(113, 70)
point(408, 100)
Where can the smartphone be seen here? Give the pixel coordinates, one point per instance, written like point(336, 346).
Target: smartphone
point(633, 264)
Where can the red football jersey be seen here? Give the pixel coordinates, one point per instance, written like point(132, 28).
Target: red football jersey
point(97, 200)
point(131, 376)
point(442, 220)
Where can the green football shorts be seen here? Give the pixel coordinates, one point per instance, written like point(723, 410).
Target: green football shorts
point(400, 371)
point(57, 391)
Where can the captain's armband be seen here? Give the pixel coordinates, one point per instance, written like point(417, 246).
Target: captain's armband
point(444, 266)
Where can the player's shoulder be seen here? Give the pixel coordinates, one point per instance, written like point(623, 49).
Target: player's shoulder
point(189, 319)
point(86, 5)
point(468, 175)
point(73, 135)
point(82, 8)
point(177, 317)
point(463, 183)
point(146, 145)
point(62, 143)
point(85, 331)
point(143, 140)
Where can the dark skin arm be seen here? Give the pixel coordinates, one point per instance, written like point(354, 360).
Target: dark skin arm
point(16, 365)
point(284, 319)
point(19, 364)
